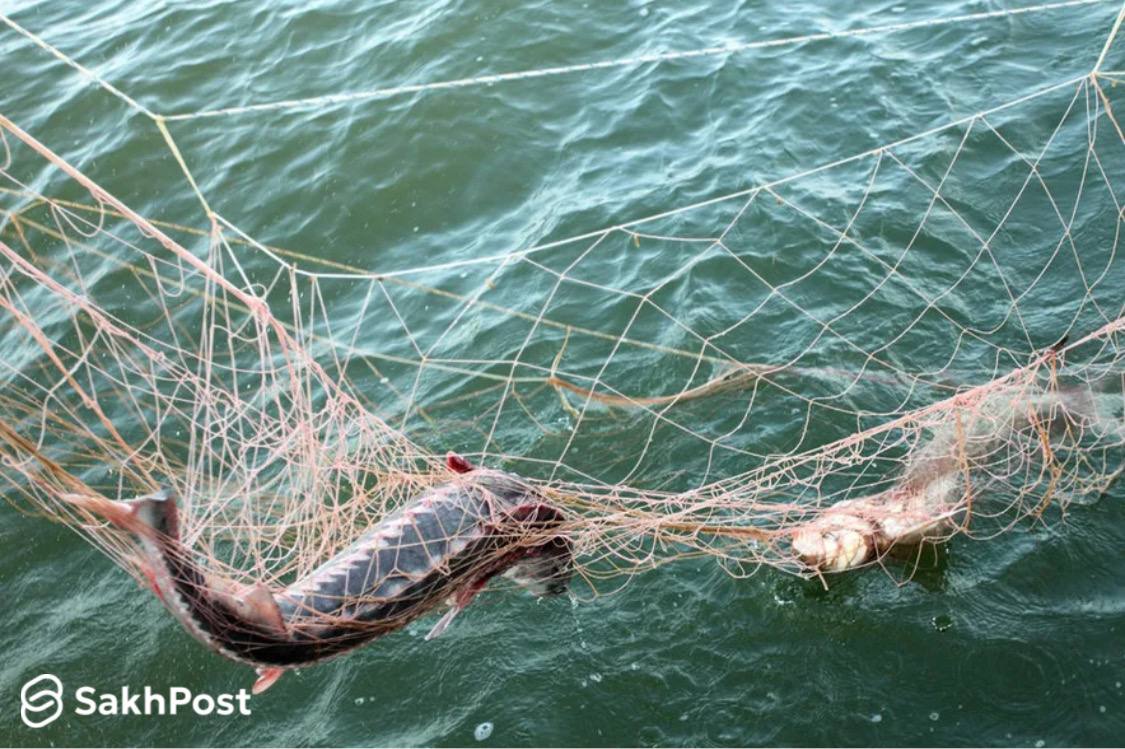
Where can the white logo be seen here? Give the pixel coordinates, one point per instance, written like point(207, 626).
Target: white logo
point(46, 700)
point(41, 701)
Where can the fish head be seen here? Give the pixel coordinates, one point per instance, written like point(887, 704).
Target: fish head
point(546, 570)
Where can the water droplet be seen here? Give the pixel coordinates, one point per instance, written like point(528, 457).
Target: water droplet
point(483, 731)
point(596, 678)
point(359, 700)
point(1040, 744)
point(1101, 708)
point(935, 715)
point(644, 12)
point(877, 718)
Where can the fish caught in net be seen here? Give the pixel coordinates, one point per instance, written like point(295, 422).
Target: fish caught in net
point(798, 375)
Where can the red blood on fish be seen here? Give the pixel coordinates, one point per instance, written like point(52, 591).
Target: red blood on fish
point(150, 576)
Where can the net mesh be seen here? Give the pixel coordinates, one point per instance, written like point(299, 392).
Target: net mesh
point(806, 374)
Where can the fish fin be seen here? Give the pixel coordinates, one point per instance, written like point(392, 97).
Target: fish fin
point(460, 600)
point(266, 679)
point(458, 464)
point(260, 607)
point(443, 622)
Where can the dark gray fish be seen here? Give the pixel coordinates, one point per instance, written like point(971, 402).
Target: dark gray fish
point(443, 546)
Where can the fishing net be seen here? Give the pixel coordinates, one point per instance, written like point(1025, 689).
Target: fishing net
point(914, 342)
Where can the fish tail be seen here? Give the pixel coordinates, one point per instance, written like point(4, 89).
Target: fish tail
point(144, 516)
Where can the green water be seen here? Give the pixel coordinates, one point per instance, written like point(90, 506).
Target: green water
point(1011, 642)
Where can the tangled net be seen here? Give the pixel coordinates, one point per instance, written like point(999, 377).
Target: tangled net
point(141, 354)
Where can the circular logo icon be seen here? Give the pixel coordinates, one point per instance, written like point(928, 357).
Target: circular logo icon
point(41, 700)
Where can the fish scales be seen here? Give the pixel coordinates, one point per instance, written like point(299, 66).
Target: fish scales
point(383, 566)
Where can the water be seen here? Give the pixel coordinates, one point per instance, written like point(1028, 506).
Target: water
point(1013, 643)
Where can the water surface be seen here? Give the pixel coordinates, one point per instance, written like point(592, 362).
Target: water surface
point(1012, 642)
